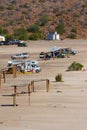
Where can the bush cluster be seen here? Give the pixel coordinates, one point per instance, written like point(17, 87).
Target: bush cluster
point(33, 32)
point(75, 67)
point(60, 28)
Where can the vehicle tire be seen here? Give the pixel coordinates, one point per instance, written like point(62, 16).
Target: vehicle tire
point(37, 71)
point(24, 57)
point(12, 58)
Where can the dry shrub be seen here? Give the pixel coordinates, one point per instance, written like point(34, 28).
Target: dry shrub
point(58, 78)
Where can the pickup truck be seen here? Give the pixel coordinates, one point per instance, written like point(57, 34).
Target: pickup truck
point(36, 68)
point(14, 42)
point(20, 56)
point(22, 44)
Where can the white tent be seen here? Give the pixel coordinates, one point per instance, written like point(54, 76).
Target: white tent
point(54, 48)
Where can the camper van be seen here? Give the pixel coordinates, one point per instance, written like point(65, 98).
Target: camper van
point(16, 62)
point(25, 65)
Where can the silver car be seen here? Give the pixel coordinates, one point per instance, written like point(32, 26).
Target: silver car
point(20, 56)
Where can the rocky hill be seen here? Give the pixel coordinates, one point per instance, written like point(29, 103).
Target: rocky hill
point(50, 15)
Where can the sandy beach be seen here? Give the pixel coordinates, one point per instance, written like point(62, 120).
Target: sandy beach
point(64, 107)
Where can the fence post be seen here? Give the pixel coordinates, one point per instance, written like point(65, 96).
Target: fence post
point(0, 79)
point(4, 76)
point(32, 85)
point(29, 92)
point(47, 85)
point(29, 89)
point(14, 95)
point(53, 55)
point(14, 99)
point(14, 72)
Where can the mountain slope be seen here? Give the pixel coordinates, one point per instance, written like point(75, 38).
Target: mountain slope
point(23, 13)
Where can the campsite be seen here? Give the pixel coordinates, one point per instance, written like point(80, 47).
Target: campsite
point(63, 107)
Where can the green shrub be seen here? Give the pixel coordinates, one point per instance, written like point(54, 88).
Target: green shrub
point(43, 20)
point(85, 5)
point(2, 8)
point(25, 5)
point(23, 37)
point(58, 78)
point(60, 28)
point(75, 67)
point(10, 22)
point(9, 37)
point(10, 7)
point(3, 31)
point(74, 29)
point(33, 28)
point(21, 33)
point(25, 12)
point(72, 36)
point(34, 36)
point(42, 0)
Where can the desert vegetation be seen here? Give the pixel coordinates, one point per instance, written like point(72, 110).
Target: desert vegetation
point(75, 66)
point(58, 78)
point(65, 17)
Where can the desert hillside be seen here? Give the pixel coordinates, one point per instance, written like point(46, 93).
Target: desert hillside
point(49, 15)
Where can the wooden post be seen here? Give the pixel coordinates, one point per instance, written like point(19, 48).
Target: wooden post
point(4, 76)
point(15, 89)
point(0, 79)
point(47, 85)
point(53, 55)
point(32, 85)
point(29, 89)
point(29, 92)
point(14, 95)
point(14, 72)
point(14, 99)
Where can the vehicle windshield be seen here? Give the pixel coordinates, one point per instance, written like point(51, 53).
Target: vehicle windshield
point(34, 65)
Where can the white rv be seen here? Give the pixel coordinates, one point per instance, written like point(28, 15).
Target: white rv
point(25, 65)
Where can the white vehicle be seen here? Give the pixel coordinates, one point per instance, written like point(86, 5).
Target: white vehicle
point(36, 68)
point(20, 56)
point(27, 67)
point(16, 62)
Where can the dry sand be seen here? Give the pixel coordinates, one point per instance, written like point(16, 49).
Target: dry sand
point(64, 107)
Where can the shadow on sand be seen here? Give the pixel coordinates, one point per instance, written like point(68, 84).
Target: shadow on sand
point(8, 105)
